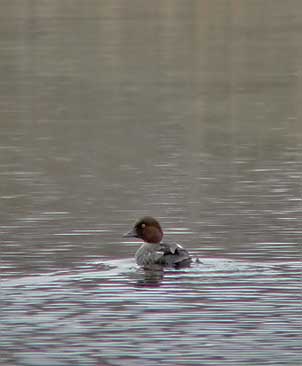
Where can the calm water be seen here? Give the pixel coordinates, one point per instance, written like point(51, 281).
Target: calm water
point(186, 110)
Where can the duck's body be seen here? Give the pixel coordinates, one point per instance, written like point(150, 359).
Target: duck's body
point(165, 254)
point(154, 251)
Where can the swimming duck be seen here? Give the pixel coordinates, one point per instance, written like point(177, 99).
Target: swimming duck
point(154, 251)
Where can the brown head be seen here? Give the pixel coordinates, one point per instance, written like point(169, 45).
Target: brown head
point(147, 229)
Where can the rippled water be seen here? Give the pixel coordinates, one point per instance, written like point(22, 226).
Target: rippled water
point(188, 111)
point(217, 312)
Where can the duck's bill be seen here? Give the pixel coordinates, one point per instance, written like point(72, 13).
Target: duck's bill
point(130, 234)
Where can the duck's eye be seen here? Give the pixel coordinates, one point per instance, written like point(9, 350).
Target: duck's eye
point(143, 226)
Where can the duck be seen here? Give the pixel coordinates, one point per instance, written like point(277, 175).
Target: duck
point(153, 251)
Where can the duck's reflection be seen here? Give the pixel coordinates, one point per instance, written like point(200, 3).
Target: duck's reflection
point(153, 275)
point(150, 276)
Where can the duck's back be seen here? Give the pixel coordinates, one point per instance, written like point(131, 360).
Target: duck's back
point(165, 254)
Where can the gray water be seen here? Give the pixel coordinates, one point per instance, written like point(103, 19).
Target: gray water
point(186, 110)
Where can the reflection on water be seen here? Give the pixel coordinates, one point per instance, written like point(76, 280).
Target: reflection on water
point(119, 313)
point(186, 111)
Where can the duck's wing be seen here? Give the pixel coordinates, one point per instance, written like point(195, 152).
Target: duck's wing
point(173, 253)
point(171, 248)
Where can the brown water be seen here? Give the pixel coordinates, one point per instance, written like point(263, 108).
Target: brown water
point(186, 110)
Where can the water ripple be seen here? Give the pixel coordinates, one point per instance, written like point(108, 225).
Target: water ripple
point(105, 310)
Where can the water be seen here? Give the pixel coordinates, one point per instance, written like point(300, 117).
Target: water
point(188, 111)
point(217, 312)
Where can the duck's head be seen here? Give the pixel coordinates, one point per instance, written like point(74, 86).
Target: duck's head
point(147, 229)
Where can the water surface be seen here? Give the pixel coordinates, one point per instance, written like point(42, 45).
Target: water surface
point(186, 110)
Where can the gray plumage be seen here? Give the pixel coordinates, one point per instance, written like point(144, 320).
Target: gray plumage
point(165, 254)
